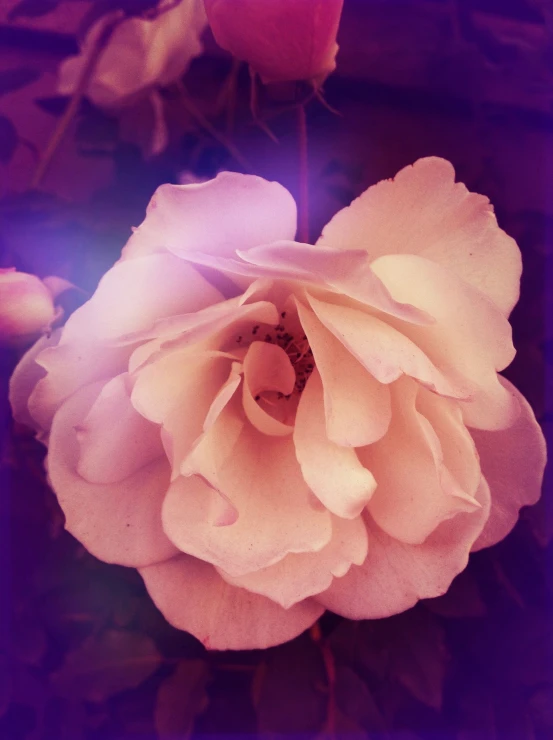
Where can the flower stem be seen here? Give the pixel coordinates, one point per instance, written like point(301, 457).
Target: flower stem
point(75, 101)
point(199, 117)
point(303, 226)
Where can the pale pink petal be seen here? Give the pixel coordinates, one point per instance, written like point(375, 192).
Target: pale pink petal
point(415, 491)
point(24, 378)
point(267, 367)
point(118, 523)
point(357, 406)
point(396, 575)
point(177, 391)
point(136, 293)
point(345, 272)
point(70, 367)
point(115, 440)
point(211, 325)
point(193, 597)
point(423, 211)
point(471, 336)
point(296, 577)
point(512, 462)
point(217, 217)
point(334, 473)
point(384, 351)
point(262, 479)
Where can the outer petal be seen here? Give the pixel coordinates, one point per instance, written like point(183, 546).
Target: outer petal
point(25, 377)
point(416, 491)
point(262, 479)
point(119, 523)
point(249, 211)
point(512, 461)
point(296, 577)
point(423, 211)
point(382, 350)
point(357, 406)
point(193, 597)
point(334, 473)
point(396, 575)
point(26, 305)
point(134, 294)
point(115, 440)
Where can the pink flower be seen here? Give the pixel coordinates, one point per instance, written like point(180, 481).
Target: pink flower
point(26, 305)
point(283, 40)
point(268, 429)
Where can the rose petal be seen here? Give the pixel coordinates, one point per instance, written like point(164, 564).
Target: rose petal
point(118, 523)
point(160, 284)
point(415, 491)
point(382, 350)
point(423, 211)
point(334, 473)
point(396, 575)
point(26, 305)
point(296, 577)
point(180, 218)
point(115, 440)
point(262, 479)
point(470, 336)
point(345, 272)
point(193, 597)
point(24, 378)
point(357, 406)
point(267, 367)
point(512, 461)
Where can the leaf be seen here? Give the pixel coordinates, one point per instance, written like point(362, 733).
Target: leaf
point(32, 9)
point(180, 698)
point(291, 697)
point(14, 79)
point(418, 655)
point(356, 701)
point(107, 664)
point(8, 139)
point(462, 599)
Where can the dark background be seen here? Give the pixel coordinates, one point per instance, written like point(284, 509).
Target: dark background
point(86, 655)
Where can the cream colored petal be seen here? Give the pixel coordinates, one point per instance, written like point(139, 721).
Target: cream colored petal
point(423, 211)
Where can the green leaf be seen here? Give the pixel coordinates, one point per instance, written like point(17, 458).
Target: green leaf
point(107, 664)
point(180, 698)
point(356, 701)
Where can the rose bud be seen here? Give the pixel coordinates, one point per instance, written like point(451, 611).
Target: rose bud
point(282, 40)
point(326, 429)
point(26, 305)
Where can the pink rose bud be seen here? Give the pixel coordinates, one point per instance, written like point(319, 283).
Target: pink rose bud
point(26, 305)
point(282, 40)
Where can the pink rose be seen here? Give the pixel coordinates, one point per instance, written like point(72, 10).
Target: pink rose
point(268, 429)
point(283, 40)
point(26, 305)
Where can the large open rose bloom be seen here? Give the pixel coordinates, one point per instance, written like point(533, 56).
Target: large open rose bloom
point(268, 429)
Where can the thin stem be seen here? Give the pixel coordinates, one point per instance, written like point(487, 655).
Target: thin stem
point(75, 101)
point(199, 117)
point(303, 211)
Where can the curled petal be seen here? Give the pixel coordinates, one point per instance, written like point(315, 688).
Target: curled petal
point(117, 522)
point(357, 407)
point(193, 597)
point(26, 305)
point(334, 473)
point(298, 576)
